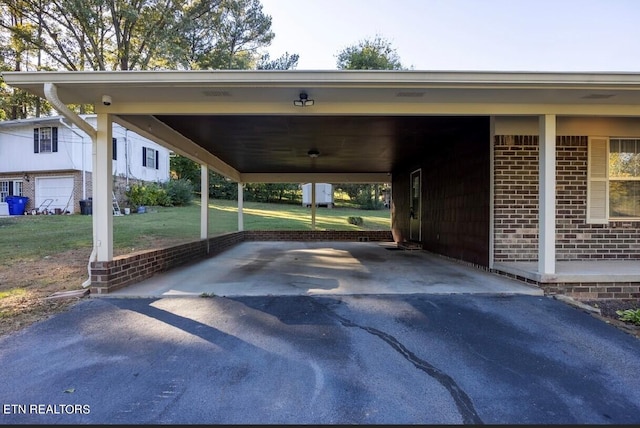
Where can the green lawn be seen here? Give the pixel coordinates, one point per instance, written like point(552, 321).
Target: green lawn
point(26, 237)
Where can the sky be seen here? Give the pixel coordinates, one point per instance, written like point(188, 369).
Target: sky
point(464, 35)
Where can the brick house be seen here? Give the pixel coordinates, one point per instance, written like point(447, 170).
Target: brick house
point(530, 175)
point(49, 160)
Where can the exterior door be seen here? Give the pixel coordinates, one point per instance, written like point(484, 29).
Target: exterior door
point(415, 221)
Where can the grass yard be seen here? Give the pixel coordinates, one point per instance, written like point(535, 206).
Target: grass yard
point(41, 255)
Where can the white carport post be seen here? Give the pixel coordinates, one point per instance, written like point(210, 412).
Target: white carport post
point(313, 205)
point(102, 202)
point(240, 207)
point(204, 202)
point(547, 195)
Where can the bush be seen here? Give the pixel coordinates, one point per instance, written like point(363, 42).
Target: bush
point(148, 194)
point(630, 315)
point(180, 192)
point(355, 220)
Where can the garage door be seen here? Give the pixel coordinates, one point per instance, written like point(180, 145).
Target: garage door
point(55, 192)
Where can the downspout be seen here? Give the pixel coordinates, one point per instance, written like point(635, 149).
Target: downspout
point(84, 184)
point(51, 94)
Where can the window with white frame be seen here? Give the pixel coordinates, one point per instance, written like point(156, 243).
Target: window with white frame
point(150, 158)
point(624, 178)
point(45, 139)
point(614, 179)
point(10, 188)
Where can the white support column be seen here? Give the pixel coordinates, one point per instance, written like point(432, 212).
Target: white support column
point(547, 195)
point(204, 202)
point(313, 206)
point(240, 207)
point(102, 202)
point(492, 190)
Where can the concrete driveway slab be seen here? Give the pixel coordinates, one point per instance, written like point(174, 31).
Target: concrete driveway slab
point(323, 268)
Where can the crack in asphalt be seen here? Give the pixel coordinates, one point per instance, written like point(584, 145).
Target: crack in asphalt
point(462, 400)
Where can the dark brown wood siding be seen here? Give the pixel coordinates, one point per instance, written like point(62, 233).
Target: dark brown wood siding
point(455, 192)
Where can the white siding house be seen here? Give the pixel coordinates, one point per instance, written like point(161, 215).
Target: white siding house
point(49, 161)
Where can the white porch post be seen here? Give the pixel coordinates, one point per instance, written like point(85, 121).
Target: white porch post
point(102, 201)
point(547, 195)
point(240, 207)
point(313, 206)
point(204, 202)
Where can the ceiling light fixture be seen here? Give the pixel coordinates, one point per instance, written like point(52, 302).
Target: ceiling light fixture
point(313, 153)
point(304, 101)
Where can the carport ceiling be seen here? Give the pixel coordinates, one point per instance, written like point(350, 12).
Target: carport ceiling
point(346, 144)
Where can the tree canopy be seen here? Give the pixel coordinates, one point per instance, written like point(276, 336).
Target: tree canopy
point(77, 35)
point(375, 53)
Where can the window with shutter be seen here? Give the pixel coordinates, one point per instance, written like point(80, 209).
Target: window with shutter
point(598, 185)
point(45, 140)
point(149, 157)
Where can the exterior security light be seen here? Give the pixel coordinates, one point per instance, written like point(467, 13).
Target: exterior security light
point(304, 101)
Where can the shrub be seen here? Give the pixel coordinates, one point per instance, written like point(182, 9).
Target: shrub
point(148, 194)
point(630, 315)
point(355, 220)
point(180, 191)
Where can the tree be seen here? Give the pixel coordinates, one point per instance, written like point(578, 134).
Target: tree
point(284, 62)
point(369, 54)
point(241, 30)
point(138, 35)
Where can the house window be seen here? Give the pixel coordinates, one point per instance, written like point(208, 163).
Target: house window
point(150, 158)
point(613, 191)
point(45, 140)
point(114, 145)
point(624, 178)
point(10, 188)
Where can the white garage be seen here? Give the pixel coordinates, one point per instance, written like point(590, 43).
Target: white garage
point(54, 192)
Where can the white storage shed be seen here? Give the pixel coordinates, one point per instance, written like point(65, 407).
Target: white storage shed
point(324, 195)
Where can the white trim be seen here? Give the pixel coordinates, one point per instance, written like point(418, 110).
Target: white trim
point(204, 203)
point(419, 171)
point(103, 189)
point(547, 195)
point(492, 189)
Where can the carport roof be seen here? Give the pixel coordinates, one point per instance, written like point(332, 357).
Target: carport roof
point(364, 123)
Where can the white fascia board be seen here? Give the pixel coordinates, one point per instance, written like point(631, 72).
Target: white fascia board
point(380, 108)
point(332, 77)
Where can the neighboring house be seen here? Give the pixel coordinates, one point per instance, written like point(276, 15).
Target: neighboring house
point(49, 161)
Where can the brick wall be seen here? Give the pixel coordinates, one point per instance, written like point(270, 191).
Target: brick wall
point(131, 268)
point(516, 205)
point(515, 198)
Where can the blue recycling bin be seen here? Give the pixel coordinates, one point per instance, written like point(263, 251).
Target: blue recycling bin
point(17, 204)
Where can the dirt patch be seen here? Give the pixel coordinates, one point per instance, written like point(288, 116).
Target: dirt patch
point(25, 284)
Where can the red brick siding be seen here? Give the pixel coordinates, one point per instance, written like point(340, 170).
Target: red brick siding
point(516, 205)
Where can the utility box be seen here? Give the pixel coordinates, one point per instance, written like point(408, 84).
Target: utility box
point(324, 195)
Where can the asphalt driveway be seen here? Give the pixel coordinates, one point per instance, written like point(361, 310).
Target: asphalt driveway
point(361, 359)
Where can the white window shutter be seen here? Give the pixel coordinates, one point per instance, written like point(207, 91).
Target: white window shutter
point(598, 183)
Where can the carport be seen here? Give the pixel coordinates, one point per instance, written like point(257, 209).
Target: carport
point(430, 134)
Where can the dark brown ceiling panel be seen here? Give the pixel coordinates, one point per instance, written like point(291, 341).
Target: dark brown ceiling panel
point(346, 144)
